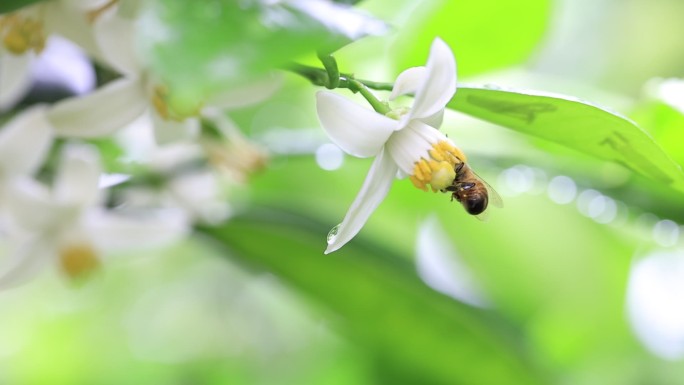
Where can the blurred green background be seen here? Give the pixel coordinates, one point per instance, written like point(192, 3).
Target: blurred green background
point(577, 280)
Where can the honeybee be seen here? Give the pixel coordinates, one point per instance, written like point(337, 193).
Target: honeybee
point(472, 192)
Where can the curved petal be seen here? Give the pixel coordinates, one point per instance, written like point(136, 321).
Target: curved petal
point(25, 260)
point(375, 188)
point(440, 83)
point(15, 77)
point(78, 177)
point(30, 206)
point(100, 113)
point(222, 122)
point(115, 36)
point(409, 81)
point(243, 96)
point(169, 131)
point(434, 120)
point(24, 142)
point(63, 19)
point(358, 131)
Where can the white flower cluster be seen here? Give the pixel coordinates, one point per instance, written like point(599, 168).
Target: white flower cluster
point(62, 211)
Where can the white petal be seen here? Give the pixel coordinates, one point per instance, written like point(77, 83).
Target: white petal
point(61, 18)
point(168, 131)
point(434, 120)
point(375, 188)
point(25, 260)
point(357, 130)
point(30, 206)
point(24, 143)
point(118, 230)
point(115, 36)
point(100, 113)
point(242, 96)
point(409, 81)
point(15, 77)
point(440, 84)
point(222, 122)
point(78, 177)
point(409, 145)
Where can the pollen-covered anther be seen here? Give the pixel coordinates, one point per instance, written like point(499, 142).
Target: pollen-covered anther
point(439, 170)
point(20, 34)
point(78, 259)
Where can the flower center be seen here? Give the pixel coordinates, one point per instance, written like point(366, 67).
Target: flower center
point(439, 170)
point(78, 260)
point(162, 104)
point(237, 158)
point(21, 34)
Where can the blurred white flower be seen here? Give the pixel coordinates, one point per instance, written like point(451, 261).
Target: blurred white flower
point(24, 33)
point(69, 224)
point(183, 178)
point(231, 152)
point(24, 144)
point(404, 142)
point(196, 189)
point(139, 91)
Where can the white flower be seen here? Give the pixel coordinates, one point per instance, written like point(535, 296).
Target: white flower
point(404, 143)
point(120, 102)
point(23, 35)
point(69, 223)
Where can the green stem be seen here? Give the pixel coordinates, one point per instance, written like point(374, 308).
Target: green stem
point(331, 69)
point(356, 86)
point(321, 77)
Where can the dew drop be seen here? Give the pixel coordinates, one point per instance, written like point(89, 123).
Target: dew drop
point(333, 234)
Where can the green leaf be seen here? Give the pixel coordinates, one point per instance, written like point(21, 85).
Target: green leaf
point(382, 304)
point(13, 5)
point(574, 123)
point(202, 47)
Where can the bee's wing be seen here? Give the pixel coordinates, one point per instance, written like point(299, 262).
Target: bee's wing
point(494, 197)
point(483, 216)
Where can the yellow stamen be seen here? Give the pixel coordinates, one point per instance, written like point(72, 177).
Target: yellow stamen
point(439, 170)
point(78, 260)
point(238, 158)
point(418, 183)
point(161, 102)
point(20, 34)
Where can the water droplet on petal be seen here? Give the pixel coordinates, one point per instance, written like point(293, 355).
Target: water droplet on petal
point(333, 234)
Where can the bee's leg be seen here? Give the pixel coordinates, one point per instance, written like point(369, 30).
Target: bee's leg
point(459, 167)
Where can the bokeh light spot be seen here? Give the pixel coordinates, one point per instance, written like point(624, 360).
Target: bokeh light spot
point(329, 157)
point(562, 189)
